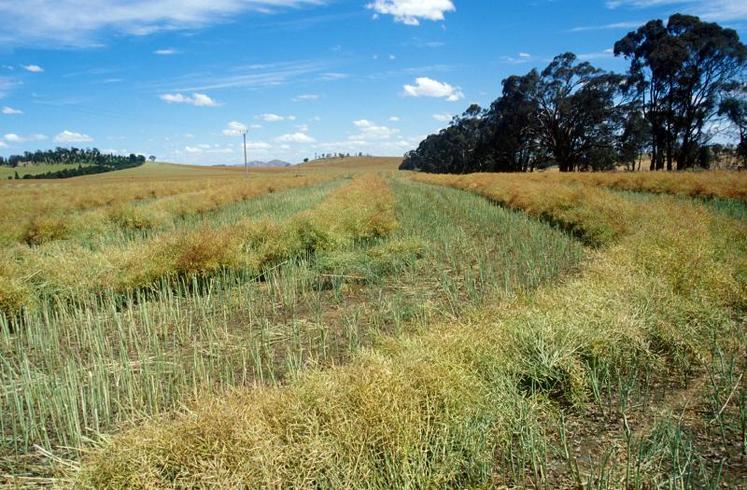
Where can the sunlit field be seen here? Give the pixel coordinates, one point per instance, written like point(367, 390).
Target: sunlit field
point(340, 324)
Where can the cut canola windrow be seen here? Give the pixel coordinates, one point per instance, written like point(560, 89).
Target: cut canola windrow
point(463, 403)
point(347, 213)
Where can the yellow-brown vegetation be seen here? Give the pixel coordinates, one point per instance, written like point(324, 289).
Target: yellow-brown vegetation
point(460, 405)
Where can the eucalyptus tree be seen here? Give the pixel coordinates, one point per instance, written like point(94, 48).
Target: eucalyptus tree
point(679, 72)
point(577, 113)
point(734, 108)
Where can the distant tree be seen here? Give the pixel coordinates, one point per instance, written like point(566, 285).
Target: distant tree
point(453, 150)
point(679, 72)
point(305, 160)
point(734, 108)
point(152, 158)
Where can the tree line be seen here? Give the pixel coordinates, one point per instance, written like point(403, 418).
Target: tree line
point(82, 161)
point(684, 77)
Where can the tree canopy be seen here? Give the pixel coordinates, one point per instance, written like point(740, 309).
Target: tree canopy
point(682, 77)
point(92, 158)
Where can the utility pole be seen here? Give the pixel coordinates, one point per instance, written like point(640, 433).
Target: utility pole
point(246, 162)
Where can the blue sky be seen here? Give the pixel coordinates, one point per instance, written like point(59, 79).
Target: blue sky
point(180, 79)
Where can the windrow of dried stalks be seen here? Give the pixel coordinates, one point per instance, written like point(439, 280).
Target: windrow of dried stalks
point(27, 275)
point(466, 404)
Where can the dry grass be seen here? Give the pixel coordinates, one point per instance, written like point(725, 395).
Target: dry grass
point(63, 272)
point(356, 164)
point(73, 370)
point(709, 184)
point(87, 208)
point(459, 404)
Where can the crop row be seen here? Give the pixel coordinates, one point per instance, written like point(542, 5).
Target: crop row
point(28, 276)
point(51, 225)
point(713, 184)
point(444, 408)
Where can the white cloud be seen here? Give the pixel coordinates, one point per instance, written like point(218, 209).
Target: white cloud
point(10, 111)
point(235, 128)
point(410, 12)
point(370, 131)
point(199, 100)
point(78, 23)
point(258, 145)
point(427, 87)
point(607, 27)
point(33, 68)
point(712, 10)
point(520, 58)
point(3, 144)
point(271, 117)
point(72, 137)
point(607, 53)
point(395, 119)
point(305, 97)
point(15, 138)
point(295, 138)
point(444, 118)
point(165, 52)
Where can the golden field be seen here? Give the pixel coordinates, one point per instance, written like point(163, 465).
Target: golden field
point(343, 325)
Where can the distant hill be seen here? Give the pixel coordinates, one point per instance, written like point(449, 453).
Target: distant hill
point(259, 163)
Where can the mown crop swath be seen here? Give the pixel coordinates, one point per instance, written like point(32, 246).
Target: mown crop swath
point(467, 403)
point(715, 184)
point(37, 409)
point(54, 224)
point(104, 251)
point(79, 368)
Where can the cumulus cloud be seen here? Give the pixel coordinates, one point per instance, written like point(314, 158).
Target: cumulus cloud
point(411, 12)
point(444, 118)
point(199, 100)
point(394, 119)
point(371, 131)
point(3, 144)
point(72, 22)
point(16, 138)
point(10, 111)
point(427, 87)
point(235, 128)
point(298, 137)
point(33, 68)
point(72, 137)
